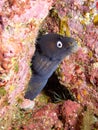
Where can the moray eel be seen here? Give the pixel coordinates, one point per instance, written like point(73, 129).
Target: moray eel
point(51, 49)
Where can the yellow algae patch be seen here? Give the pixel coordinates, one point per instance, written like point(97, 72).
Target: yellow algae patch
point(11, 88)
point(95, 20)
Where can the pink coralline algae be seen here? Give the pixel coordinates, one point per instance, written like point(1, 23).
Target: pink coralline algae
point(19, 25)
point(70, 114)
point(45, 118)
point(19, 28)
point(48, 117)
point(79, 72)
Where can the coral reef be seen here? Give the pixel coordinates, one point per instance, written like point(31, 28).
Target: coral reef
point(19, 25)
point(44, 118)
point(79, 73)
point(67, 115)
point(56, 117)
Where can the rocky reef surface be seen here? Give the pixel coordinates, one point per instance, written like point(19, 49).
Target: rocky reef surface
point(20, 22)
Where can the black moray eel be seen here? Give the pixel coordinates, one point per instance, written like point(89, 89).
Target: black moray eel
point(51, 49)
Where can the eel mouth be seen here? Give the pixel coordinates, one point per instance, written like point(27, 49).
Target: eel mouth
point(75, 47)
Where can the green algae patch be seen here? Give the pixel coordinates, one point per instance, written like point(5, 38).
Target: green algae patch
point(88, 120)
point(2, 91)
point(64, 28)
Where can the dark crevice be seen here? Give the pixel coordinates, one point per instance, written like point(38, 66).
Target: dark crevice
point(56, 91)
point(1, 22)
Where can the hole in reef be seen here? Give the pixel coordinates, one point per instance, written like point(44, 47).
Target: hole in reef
point(56, 91)
point(1, 22)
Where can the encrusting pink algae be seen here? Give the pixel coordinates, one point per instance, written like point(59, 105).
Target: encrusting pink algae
point(20, 22)
point(19, 25)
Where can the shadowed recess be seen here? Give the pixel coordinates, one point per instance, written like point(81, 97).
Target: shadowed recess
point(56, 91)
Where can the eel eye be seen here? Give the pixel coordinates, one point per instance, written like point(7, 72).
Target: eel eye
point(59, 44)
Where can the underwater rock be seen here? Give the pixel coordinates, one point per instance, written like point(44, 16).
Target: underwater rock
point(19, 25)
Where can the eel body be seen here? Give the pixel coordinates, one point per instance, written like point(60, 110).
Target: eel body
point(51, 49)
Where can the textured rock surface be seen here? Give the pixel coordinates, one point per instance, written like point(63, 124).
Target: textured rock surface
point(79, 72)
point(19, 25)
point(55, 117)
